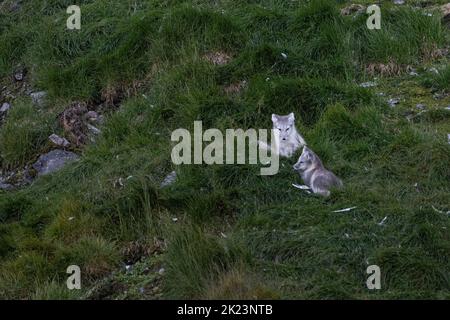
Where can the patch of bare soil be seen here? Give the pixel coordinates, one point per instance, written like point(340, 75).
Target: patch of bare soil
point(217, 58)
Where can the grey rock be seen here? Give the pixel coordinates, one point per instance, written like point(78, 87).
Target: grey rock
point(5, 107)
point(18, 76)
point(393, 102)
point(433, 70)
point(92, 116)
point(93, 129)
point(59, 141)
point(53, 161)
point(38, 97)
point(421, 106)
point(368, 84)
point(5, 186)
point(352, 9)
point(169, 179)
point(399, 2)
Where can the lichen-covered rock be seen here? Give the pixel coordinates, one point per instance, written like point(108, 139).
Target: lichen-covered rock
point(53, 161)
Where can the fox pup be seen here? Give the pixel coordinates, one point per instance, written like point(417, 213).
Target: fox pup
point(287, 139)
point(314, 174)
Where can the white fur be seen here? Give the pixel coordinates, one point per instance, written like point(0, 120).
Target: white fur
point(287, 139)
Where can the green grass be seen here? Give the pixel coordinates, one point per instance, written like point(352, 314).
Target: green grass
point(224, 231)
point(23, 134)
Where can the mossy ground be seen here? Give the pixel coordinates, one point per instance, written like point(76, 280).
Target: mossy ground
point(224, 231)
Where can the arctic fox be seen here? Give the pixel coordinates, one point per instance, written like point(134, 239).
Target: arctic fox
point(287, 139)
point(314, 174)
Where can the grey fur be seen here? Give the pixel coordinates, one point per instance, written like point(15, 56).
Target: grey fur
point(314, 174)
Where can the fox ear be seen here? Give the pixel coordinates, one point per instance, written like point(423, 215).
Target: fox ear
point(291, 117)
point(307, 152)
point(274, 117)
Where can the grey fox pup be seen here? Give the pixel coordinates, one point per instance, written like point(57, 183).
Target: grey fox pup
point(314, 174)
point(287, 139)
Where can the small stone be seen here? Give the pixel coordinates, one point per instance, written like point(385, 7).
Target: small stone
point(399, 2)
point(161, 271)
point(6, 186)
point(169, 179)
point(434, 70)
point(368, 84)
point(18, 76)
point(421, 106)
point(5, 107)
point(353, 8)
point(93, 129)
point(448, 138)
point(92, 116)
point(284, 55)
point(57, 140)
point(38, 97)
point(393, 102)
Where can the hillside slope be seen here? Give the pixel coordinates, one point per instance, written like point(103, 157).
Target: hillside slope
point(373, 104)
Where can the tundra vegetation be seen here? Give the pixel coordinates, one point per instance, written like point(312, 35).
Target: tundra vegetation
point(224, 231)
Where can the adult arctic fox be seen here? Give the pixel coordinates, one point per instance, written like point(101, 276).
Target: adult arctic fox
point(314, 174)
point(287, 139)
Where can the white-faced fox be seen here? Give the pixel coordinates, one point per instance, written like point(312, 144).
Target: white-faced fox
point(314, 174)
point(287, 139)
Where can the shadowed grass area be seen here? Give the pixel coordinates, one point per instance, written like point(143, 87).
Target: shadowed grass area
point(224, 231)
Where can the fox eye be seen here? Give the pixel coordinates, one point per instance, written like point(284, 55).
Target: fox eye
point(279, 129)
point(287, 129)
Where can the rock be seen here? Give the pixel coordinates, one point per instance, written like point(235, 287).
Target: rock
point(59, 141)
point(53, 161)
point(368, 84)
point(5, 107)
point(161, 271)
point(93, 129)
point(38, 97)
point(433, 70)
point(393, 102)
point(448, 138)
point(399, 2)
point(6, 186)
point(92, 116)
point(169, 179)
point(353, 8)
point(421, 106)
point(19, 75)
